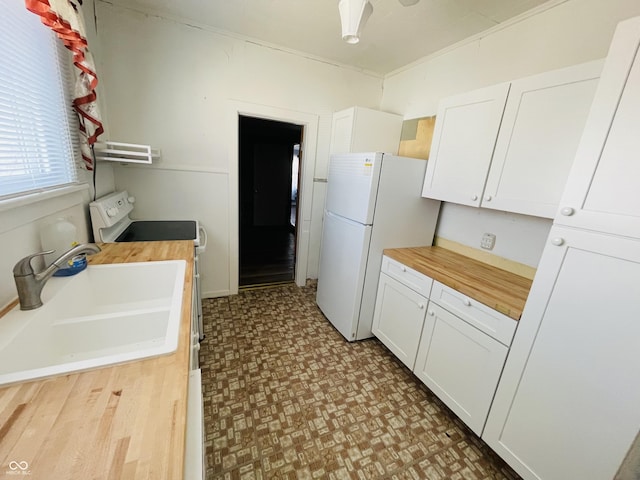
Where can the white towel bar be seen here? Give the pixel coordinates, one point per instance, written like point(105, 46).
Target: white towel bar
point(126, 152)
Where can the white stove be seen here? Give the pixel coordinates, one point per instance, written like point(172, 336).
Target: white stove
point(111, 223)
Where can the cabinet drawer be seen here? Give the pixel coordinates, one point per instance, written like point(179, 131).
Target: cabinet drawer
point(413, 279)
point(484, 318)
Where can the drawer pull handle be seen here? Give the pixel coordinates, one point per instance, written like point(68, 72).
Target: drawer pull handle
point(474, 197)
point(421, 306)
point(467, 302)
point(431, 313)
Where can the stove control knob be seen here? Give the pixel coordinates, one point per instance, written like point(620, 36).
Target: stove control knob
point(131, 199)
point(112, 211)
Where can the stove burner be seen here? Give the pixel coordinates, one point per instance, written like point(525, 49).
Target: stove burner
point(150, 231)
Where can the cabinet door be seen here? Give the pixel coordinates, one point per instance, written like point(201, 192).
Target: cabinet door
point(567, 402)
point(359, 129)
point(460, 364)
point(342, 131)
point(376, 131)
point(463, 140)
point(539, 135)
point(398, 318)
point(603, 192)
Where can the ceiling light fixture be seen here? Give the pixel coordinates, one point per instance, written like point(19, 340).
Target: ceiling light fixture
point(353, 16)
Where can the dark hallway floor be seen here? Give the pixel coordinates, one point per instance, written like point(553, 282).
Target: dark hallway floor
point(267, 255)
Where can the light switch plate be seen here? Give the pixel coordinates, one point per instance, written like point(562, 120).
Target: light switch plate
point(488, 241)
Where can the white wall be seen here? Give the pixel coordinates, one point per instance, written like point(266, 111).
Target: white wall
point(171, 85)
point(20, 225)
point(569, 33)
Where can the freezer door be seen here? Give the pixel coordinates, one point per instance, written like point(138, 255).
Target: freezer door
point(343, 260)
point(352, 185)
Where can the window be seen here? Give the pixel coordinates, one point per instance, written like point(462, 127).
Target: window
point(38, 127)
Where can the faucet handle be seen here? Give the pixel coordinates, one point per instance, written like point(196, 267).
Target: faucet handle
point(24, 268)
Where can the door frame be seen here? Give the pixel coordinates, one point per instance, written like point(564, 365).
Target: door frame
point(309, 123)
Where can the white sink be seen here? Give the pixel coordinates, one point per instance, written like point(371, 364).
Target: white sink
point(104, 315)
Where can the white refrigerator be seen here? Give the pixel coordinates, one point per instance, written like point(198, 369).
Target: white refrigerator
point(373, 202)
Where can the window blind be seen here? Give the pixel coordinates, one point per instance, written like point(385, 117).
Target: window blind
point(38, 127)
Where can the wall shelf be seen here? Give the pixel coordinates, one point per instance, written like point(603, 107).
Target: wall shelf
point(126, 152)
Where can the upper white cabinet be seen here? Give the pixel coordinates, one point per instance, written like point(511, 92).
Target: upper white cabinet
point(603, 190)
point(463, 140)
point(510, 147)
point(541, 129)
point(359, 129)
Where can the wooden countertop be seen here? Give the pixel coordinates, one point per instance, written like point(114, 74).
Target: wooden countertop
point(120, 422)
point(503, 291)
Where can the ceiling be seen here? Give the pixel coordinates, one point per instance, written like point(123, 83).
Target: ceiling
point(394, 36)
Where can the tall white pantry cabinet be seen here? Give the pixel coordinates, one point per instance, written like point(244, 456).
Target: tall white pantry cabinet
point(568, 403)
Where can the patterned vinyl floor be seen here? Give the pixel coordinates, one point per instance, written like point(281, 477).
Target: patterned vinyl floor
point(286, 397)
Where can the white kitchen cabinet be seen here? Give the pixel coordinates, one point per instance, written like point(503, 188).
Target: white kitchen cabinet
point(359, 129)
point(409, 277)
point(603, 190)
point(398, 318)
point(485, 319)
point(460, 364)
point(567, 403)
point(454, 344)
point(194, 454)
point(510, 147)
point(464, 137)
point(537, 142)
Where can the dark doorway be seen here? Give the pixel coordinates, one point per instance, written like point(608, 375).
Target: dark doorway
point(269, 156)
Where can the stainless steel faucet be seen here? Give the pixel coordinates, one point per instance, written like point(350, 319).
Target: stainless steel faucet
point(30, 284)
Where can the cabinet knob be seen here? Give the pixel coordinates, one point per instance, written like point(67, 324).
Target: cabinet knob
point(467, 302)
point(488, 198)
point(474, 197)
point(557, 241)
point(403, 268)
point(421, 306)
point(431, 313)
point(567, 211)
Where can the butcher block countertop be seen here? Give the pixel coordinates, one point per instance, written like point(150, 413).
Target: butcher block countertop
point(503, 291)
point(124, 421)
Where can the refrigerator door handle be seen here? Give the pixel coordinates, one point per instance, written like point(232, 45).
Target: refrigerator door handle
point(344, 219)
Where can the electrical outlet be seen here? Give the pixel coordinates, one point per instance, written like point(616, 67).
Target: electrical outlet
point(488, 241)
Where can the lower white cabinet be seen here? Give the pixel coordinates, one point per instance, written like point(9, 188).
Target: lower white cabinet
point(398, 318)
point(454, 344)
point(568, 403)
point(194, 459)
point(460, 364)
